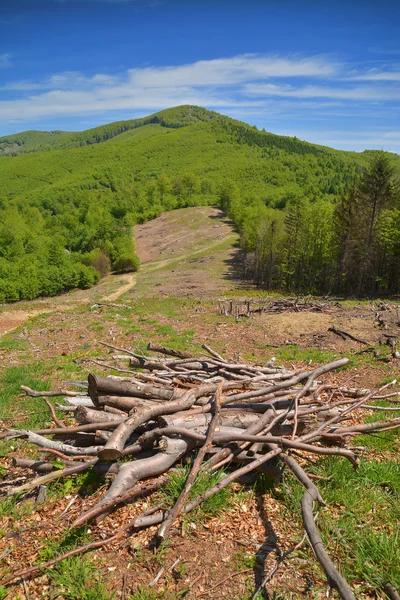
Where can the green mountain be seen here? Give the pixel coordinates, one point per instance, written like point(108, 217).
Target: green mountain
point(68, 200)
point(38, 141)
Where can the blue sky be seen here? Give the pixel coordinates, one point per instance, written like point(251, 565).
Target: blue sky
point(327, 71)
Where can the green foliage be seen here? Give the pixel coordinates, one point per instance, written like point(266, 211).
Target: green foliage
point(68, 201)
point(78, 578)
point(3, 592)
point(210, 507)
point(10, 382)
point(300, 251)
point(367, 232)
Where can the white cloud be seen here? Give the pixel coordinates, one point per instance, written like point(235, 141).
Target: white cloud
point(378, 76)
point(366, 93)
point(229, 71)
point(65, 81)
point(218, 72)
point(214, 83)
point(267, 89)
point(5, 61)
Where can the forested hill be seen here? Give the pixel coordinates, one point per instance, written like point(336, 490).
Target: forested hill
point(68, 200)
point(37, 141)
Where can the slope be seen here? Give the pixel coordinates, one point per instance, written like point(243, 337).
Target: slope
point(38, 141)
point(65, 211)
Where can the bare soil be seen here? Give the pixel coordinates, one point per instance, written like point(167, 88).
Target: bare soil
point(189, 259)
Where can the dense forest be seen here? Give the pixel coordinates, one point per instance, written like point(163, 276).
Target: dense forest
point(312, 219)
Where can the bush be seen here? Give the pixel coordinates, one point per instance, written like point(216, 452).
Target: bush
point(126, 262)
point(99, 260)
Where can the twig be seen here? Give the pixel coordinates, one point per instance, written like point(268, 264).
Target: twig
point(334, 577)
point(53, 414)
point(124, 590)
point(344, 334)
point(26, 591)
point(37, 394)
point(134, 492)
point(223, 581)
point(165, 527)
point(391, 591)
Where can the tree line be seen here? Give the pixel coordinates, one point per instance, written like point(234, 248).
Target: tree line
point(66, 216)
point(350, 246)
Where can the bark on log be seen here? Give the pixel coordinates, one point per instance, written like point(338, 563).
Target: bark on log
point(108, 386)
point(88, 415)
point(334, 578)
point(124, 403)
point(132, 472)
point(168, 351)
point(114, 447)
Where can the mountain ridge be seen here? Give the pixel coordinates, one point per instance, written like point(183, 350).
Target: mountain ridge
point(66, 213)
point(175, 117)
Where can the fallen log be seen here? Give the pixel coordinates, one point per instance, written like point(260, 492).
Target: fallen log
point(161, 413)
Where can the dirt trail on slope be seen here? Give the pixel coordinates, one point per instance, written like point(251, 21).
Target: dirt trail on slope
point(190, 252)
point(183, 252)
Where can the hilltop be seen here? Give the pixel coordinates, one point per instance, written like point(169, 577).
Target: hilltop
point(69, 200)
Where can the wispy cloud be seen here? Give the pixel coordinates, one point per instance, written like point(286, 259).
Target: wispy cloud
point(359, 93)
point(216, 83)
point(377, 76)
point(230, 71)
point(5, 61)
point(266, 88)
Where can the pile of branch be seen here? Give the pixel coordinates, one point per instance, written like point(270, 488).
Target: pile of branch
point(247, 308)
point(246, 418)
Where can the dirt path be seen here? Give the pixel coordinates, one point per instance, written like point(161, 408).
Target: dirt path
point(177, 242)
point(191, 252)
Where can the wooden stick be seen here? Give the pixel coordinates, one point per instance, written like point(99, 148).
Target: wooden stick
point(169, 521)
point(134, 492)
point(334, 578)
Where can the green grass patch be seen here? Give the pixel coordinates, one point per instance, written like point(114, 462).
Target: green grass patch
point(215, 505)
point(69, 540)
point(293, 353)
point(11, 342)
point(78, 578)
point(169, 307)
point(15, 507)
point(11, 379)
point(243, 559)
point(360, 524)
point(97, 327)
point(85, 484)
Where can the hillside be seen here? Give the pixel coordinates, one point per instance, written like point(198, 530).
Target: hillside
point(171, 302)
point(38, 141)
point(69, 200)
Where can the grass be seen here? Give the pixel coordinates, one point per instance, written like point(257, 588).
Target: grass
point(12, 343)
point(360, 525)
point(77, 578)
point(243, 560)
point(15, 508)
point(85, 484)
point(11, 378)
point(68, 541)
point(214, 505)
point(292, 353)
point(170, 307)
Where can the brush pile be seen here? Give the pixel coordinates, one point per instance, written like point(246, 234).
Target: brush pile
point(247, 308)
point(171, 406)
